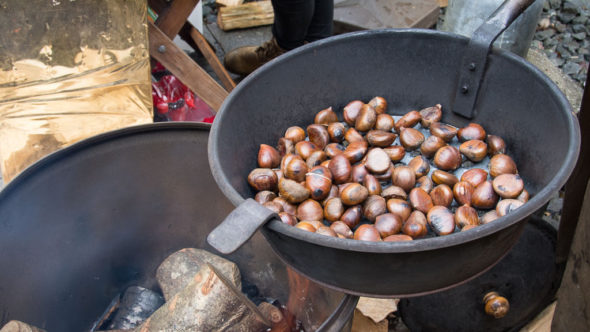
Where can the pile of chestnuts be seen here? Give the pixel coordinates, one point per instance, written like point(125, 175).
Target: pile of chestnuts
point(377, 177)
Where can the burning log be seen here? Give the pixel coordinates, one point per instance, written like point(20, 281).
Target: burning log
point(209, 302)
point(177, 271)
point(18, 326)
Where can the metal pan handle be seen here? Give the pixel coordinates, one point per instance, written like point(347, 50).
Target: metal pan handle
point(473, 65)
point(239, 226)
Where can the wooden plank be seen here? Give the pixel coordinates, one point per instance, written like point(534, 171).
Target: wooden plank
point(171, 20)
point(229, 3)
point(248, 15)
point(211, 57)
point(183, 67)
point(381, 14)
point(443, 3)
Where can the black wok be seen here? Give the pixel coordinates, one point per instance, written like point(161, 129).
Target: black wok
point(411, 69)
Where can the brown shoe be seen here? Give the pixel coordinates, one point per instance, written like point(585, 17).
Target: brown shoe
point(244, 60)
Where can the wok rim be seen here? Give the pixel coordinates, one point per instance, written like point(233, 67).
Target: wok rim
point(432, 243)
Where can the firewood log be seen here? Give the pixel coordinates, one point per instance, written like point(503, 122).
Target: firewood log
point(18, 326)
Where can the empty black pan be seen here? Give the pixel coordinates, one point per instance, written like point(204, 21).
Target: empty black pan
point(411, 69)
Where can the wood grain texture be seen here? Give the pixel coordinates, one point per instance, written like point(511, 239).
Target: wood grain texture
point(248, 15)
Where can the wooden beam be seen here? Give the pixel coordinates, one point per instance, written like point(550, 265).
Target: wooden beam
point(229, 3)
point(171, 20)
point(182, 66)
point(248, 15)
point(211, 57)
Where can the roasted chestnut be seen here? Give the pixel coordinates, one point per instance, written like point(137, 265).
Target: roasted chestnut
point(354, 194)
point(441, 220)
point(425, 183)
point(316, 159)
point(327, 231)
point(273, 206)
point(310, 210)
point(293, 191)
point(395, 153)
point(373, 207)
point(296, 170)
point(355, 151)
point(306, 226)
point(268, 157)
point(342, 229)
point(444, 131)
point(488, 217)
point(366, 119)
point(379, 104)
point(430, 115)
point(496, 145)
point(411, 138)
point(441, 195)
point(263, 179)
point(380, 138)
point(318, 135)
point(385, 176)
point(524, 196)
point(430, 145)
point(484, 196)
point(285, 146)
point(352, 135)
point(470, 132)
point(295, 134)
point(352, 216)
point(340, 168)
point(502, 164)
point(334, 192)
point(475, 176)
point(394, 192)
point(384, 122)
point(367, 232)
point(333, 209)
point(447, 158)
point(388, 224)
point(288, 218)
point(333, 149)
point(506, 206)
point(399, 207)
point(319, 182)
point(420, 165)
point(420, 200)
point(287, 207)
point(372, 185)
point(403, 177)
point(377, 161)
point(358, 174)
point(442, 177)
point(398, 238)
point(264, 196)
point(463, 192)
point(325, 116)
point(336, 130)
point(475, 150)
point(508, 185)
point(408, 120)
point(465, 215)
point(351, 111)
point(416, 225)
point(305, 148)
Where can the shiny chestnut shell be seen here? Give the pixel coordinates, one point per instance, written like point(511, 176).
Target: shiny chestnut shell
point(372, 184)
point(355, 151)
point(474, 150)
point(472, 131)
point(430, 115)
point(447, 158)
point(508, 185)
point(293, 191)
point(325, 116)
point(388, 224)
point(305, 148)
point(430, 145)
point(333, 209)
point(319, 182)
point(484, 196)
point(351, 111)
point(395, 153)
point(506, 206)
point(268, 157)
point(295, 134)
point(408, 120)
point(399, 207)
point(425, 183)
point(367, 232)
point(442, 177)
point(273, 206)
point(420, 165)
point(288, 218)
point(263, 179)
point(316, 158)
point(373, 207)
point(287, 207)
point(341, 228)
point(441, 220)
point(333, 149)
point(354, 194)
point(379, 104)
point(411, 138)
point(465, 215)
point(336, 131)
point(366, 118)
point(340, 169)
point(502, 164)
point(496, 145)
point(352, 216)
point(398, 238)
point(326, 231)
point(416, 225)
point(285, 146)
point(488, 217)
point(475, 176)
point(384, 122)
point(306, 226)
point(296, 170)
point(352, 135)
point(442, 130)
point(441, 195)
point(420, 200)
point(394, 192)
point(404, 177)
point(380, 138)
point(318, 135)
point(463, 192)
point(264, 196)
point(310, 210)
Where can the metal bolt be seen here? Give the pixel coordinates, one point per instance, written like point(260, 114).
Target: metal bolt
point(162, 48)
point(464, 89)
point(472, 66)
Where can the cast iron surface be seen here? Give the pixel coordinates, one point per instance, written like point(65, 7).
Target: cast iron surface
point(86, 222)
point(527, 277)
point(411, 69)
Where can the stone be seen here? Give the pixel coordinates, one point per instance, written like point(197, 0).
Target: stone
point(537, 44)
point(579, 36)
point(573, 6)
point(562, 51)
point(544, 23)
point(572, 46)
point(565, 17)
point(571, 68)
point(544, 34)
point(560, 27)
point(557, 61)
point(554, 4)
point(577, 28)
point(581, 19)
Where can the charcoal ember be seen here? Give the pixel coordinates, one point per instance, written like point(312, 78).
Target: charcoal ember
point(137, 305)
point(209, 302)
point(18, 326)
point(178, 269)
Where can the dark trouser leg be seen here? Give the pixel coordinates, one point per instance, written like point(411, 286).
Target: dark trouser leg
point(297, 21)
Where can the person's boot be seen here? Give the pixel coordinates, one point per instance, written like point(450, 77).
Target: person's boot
point(244, 60)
